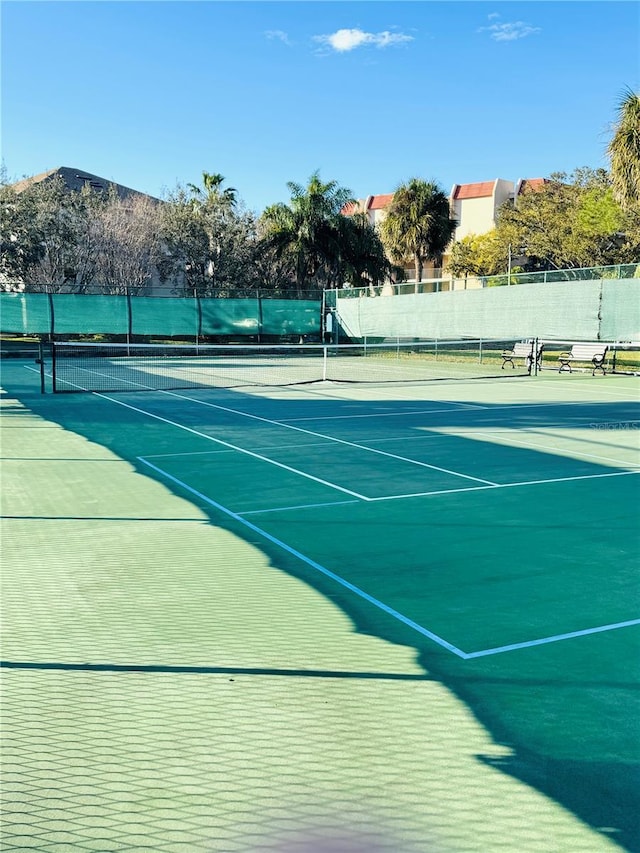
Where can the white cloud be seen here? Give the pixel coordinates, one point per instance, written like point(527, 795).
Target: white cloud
point(346, 40)
point(279, 35)
point(510, 31)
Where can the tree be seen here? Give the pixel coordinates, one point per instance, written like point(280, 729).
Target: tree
point(418, 224)
point(363, 261)
point(210, 241)
point(126, 234)
point(307, 234)
point(624, 151)
point(570, 221)
point(47, 237)
point(213, 192)
point(478, 254)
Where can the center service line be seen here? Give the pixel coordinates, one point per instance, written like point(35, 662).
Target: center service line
point(330, 438)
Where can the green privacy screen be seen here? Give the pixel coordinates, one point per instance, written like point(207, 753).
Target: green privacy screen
point(621, 310)
point(25, 313)
point(230, 316)
point(606, 309)
point(290, 317)
point(93, 315)
point(73, 314)
point(570, 310)
point(172, 317)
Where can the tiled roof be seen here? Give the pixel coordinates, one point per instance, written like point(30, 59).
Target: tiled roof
point(350, 208)
point(531, 184)
point(484, 189)
point(379, 202)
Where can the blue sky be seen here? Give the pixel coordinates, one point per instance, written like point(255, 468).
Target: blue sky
point(369, 93)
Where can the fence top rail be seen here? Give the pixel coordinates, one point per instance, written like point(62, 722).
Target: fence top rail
point(577, 274)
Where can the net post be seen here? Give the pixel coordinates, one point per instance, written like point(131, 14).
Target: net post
point(325, 350)
point(41, 362)
point(54, 386)
point(534, 356)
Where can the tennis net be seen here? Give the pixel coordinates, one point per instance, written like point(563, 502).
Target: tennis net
point(161, 367)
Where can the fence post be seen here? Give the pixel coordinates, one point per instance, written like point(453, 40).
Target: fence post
point(260, 316)
point(129, 318)
point(52, 316)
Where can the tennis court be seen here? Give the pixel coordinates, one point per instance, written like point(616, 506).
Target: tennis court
point(382, 615)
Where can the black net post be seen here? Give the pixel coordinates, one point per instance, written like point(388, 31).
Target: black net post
point(54, 384)
point(41, 363)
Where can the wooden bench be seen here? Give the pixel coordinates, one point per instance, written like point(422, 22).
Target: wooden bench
point(584, 353)
point(523, 349)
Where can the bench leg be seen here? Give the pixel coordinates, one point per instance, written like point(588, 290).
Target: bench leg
point(598, 365)
point(565, 365)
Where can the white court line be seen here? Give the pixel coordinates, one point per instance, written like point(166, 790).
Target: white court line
point(503, 486)
point(577, 453)
point(312, 563)
point(330, 438)
point(187, 453)
point(583, 390)
point(379, 604)
point(214, 452)
point(232, 446)
point(553, 639)
point(284, 508)
point(394, 613)
point(378, 415)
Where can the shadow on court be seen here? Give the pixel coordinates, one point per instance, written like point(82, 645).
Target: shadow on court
point(565, 711)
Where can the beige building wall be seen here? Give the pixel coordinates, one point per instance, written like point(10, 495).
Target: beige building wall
point(475, 206)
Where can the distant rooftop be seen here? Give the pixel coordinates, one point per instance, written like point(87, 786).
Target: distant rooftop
point(481, 189)
point(76, 179)
point(484, 189)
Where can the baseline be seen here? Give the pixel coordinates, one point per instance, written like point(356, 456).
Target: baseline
point(555, 638)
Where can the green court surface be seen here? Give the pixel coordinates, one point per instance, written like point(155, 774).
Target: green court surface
point(321, 618)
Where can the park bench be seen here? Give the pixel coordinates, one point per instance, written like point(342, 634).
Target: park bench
point(523, 349)
point(584, 353)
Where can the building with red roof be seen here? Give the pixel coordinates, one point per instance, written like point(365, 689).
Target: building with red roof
point(474, 206)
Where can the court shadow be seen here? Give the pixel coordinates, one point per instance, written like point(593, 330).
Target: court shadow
point(565, 712)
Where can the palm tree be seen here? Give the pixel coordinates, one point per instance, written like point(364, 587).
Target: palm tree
point(363, 260)
point(624, 150)
point(306, 232)
point(418, 224)
point(213, 192)
point(215, 209)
